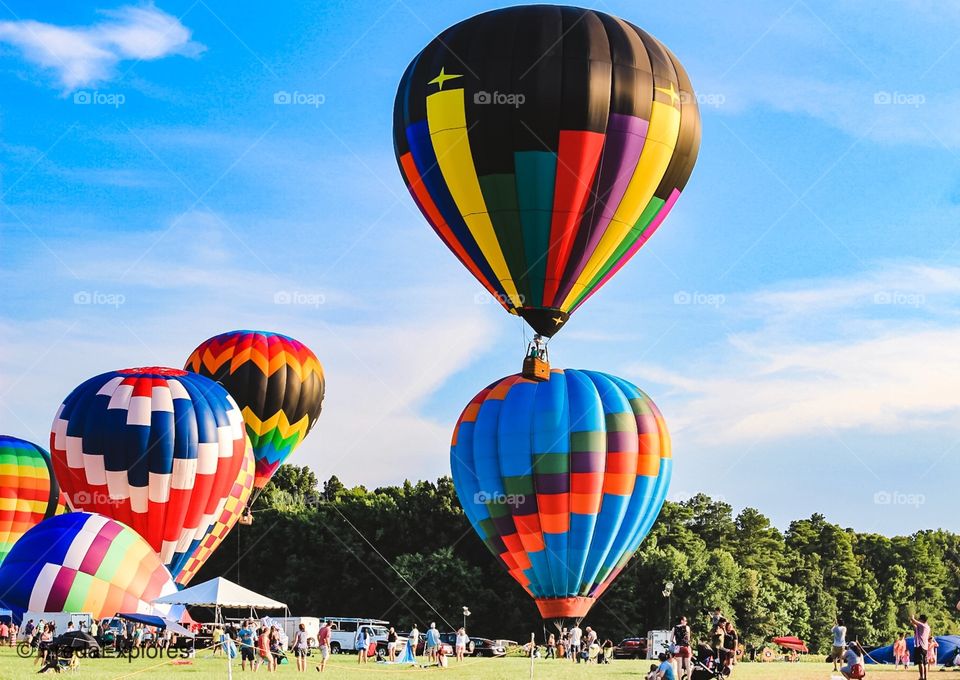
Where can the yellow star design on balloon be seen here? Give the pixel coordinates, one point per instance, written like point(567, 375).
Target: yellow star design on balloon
point(558, 320)
point(443, 77)
point(670, 92)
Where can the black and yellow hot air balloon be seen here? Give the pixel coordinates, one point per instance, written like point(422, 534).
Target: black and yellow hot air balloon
point(545, 145)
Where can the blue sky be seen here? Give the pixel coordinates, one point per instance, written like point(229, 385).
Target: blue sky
point(795, 318)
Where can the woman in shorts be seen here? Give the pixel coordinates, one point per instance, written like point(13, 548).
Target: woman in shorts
point(461, 646)
point(263, 649)
point(300, 648)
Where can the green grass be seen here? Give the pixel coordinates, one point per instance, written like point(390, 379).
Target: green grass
point(206, 668)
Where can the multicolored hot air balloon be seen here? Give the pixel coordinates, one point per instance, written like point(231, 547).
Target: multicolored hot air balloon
point(158, 449)
point(278, 383)
point(83, 562)
point(29, 492)
point(545, 145)
point(562, 480)
point(233, 508)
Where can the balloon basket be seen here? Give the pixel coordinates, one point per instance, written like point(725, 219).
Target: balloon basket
point(246, 519)
point(536, 365)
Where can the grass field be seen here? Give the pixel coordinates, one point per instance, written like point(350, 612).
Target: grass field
point(206, 668)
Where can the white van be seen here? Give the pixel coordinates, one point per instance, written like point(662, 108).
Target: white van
point(291, 625)
point(343, 637)
point(62, 620)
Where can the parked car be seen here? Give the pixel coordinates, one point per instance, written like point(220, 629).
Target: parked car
point(631, 648)
point(486, 647)
point(343, 637)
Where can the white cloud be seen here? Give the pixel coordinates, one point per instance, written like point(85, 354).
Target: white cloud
point(874, 352)
point(88, 55)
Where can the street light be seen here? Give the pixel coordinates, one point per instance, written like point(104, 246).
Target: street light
point(667, 593)
point(466, 613)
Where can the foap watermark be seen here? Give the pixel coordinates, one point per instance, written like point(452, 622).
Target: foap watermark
point(86, 499)
point(487, 298)
point(299, 297)
point(683, 297)
point(297, 98)
point(886, 98)
point(913, 500)
point(899, 298)
point(95, 98)
point(514, 99)
point(487, 498)
point(712, 99)
point(96, 297)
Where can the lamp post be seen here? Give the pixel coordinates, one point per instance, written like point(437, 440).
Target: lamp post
point(667, 593)
point(466, 613)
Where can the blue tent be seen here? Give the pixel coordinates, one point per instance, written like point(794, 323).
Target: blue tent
point(945, 652)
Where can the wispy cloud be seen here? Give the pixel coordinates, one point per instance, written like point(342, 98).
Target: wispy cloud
point(872, 351)
point(81, 56)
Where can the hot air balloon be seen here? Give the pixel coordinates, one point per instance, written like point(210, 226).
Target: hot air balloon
point(278, 383)
point(158, 449)
point(233, 508)
point(545, 145)
point(83, 562)
point(562, 480)
point(29, 492)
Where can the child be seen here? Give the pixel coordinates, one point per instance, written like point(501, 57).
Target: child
point(900, 655)
point(652, 675)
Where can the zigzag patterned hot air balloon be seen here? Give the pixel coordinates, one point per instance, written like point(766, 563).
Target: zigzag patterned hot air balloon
point(278, 383)
point(233, 508)
point(29, 492)
point(562, 480)
point(545, 145)
point(158, 449)
point(82, 562)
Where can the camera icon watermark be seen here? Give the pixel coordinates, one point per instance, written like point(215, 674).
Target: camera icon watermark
point(95, 98)
point(486, 298)
point(513, 500)
point(913, 500)
point(96, 297)
point(514, 99)
point(297, 297)
point(297, 98)
point(90, 499)
point(886, 98)
point(683, 297)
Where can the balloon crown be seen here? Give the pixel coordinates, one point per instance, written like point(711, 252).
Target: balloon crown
point(154, 370)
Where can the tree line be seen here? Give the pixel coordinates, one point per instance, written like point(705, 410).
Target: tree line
point(407, 554)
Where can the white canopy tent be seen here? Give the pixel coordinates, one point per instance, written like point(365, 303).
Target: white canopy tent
point(218, 594)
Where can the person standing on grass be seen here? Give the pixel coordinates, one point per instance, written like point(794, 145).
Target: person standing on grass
point(576, 636)
point(413, 639)
point(263, 649)
point(246, 646)
point(391, 645)
point(300, 647)
point(552, 646)
point(839, 633)
point(363, 642)
point(433, 642)
point(323, 644)
point(900, 652)
point(462, 641)
point(680, 639)
point(932, 652)
point(921, 641)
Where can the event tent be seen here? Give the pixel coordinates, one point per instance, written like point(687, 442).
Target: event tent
point(218, 594)
point(947, 650)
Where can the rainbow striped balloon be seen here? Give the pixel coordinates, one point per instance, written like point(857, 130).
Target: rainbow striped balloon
point(83, 562)
point(233, 507)
point(562, 480)
point(29, 492)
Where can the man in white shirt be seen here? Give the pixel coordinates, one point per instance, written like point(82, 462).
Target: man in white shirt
point(576, 635)
point(839, 633)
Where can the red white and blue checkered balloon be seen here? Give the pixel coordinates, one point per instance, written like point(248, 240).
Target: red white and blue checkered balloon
point(157, 449)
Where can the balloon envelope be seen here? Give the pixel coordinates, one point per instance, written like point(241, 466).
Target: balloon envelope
point(562, 480)
point(29, 492)
point(545, 145)
point(233, 507)
point(83, 562)
point(155, 448)
point(278, 383)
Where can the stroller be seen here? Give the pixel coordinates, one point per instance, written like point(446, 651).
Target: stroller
point(706, 665)
point(64, 651)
